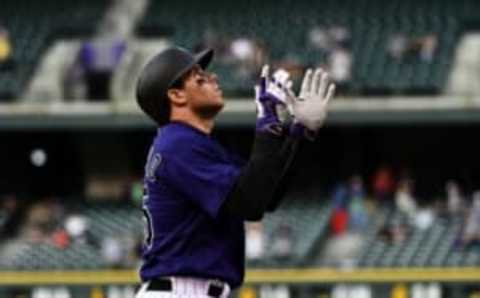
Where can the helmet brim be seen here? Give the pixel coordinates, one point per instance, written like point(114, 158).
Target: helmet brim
point(203, 59)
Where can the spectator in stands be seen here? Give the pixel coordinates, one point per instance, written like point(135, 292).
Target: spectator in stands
point(10, 216)
point(340, 67)
point(455, 200)
point(471, 233)
point(129, 245)
point(60, 238)
point(255, 244)
point(424, 218)
point(43, 219)
point(282, 242)
point(39, 223)
point(335, 43)
point(248, 56)
point(327, 39)
point(394, 233)
point(136, 191)
point(217, 41)
point(397, 46)
point(340, 196)
point(357, 210)
point(429, 46)
point(339, 220)
point(132, 189)
point(243, 49)
point(383, 184)
point(404, 200)
point(73, 80)
point(423, 47)
point(112, 252)
point(340, 36)
point(318, 38)
point(99, 59)
point(5, 49)
point(399, 232)
point(77, 228)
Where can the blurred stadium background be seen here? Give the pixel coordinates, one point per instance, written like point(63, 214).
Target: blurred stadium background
point(385, 203)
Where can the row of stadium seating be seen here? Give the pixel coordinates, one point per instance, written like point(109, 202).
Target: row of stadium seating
point(49, 257)
point(306, 220)
point(431, 247)
point(32, 25)
point(105, 220)
point(307, 223)
point(113, 221)
point(282, 25)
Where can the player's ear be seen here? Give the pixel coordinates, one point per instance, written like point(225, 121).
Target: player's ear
point(177, 96)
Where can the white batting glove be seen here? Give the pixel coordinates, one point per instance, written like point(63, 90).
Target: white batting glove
point(311, 106)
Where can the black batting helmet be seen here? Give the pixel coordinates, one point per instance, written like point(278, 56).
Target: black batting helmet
point(158, 76)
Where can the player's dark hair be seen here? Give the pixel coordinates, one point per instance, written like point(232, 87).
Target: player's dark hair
point(180, 82)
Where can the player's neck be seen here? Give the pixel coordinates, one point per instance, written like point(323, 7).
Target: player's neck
point(203, 124)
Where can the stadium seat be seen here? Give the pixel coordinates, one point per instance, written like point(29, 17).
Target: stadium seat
point(32, 27)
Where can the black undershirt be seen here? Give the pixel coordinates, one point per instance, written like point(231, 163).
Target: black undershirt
point(262, 181)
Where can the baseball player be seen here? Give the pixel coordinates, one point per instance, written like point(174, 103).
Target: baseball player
point(198, 194)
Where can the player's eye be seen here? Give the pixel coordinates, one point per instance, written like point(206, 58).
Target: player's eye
point(201, 81)
point(202, 77)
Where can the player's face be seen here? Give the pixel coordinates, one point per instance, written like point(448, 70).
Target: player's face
point(203, 93)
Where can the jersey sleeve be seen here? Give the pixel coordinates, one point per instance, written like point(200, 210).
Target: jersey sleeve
point(201, 178)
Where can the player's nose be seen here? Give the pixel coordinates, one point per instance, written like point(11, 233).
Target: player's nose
point(213, 77)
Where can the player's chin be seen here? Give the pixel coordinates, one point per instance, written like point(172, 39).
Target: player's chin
point(209, 111)
point(218, 105)
point(217, 100)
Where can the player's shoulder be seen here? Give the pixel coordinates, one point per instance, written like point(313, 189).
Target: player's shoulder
point(179, 139)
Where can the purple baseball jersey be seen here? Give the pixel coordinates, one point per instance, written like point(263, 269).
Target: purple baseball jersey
point(188, 176)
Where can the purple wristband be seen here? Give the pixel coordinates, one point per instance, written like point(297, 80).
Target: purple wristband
point(269, 122)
